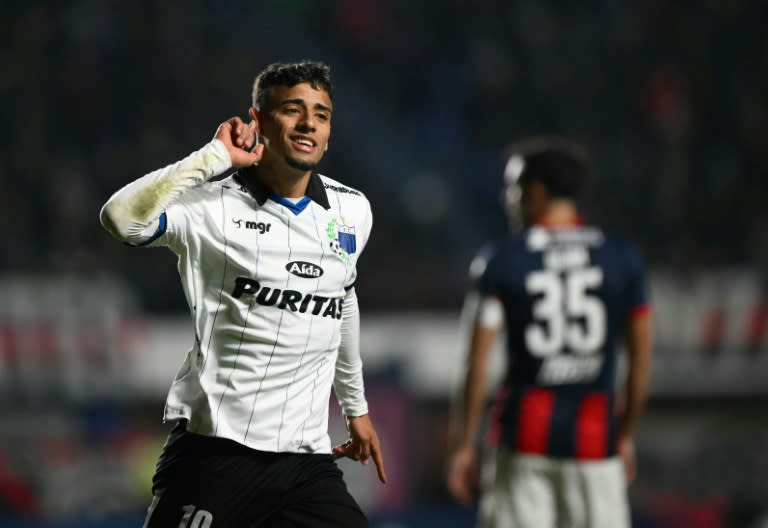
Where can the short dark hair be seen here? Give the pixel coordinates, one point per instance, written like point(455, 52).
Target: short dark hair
point(562, 166)
point(316, 74)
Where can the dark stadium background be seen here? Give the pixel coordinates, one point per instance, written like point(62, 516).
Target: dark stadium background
point(670, 96)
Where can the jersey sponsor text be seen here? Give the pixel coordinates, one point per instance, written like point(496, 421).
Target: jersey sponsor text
point(291, 300)
point(560, 370)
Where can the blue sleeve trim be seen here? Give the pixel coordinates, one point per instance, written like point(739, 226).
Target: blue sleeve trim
point(158, 233)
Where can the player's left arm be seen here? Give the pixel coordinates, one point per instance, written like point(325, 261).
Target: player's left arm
point(639, 345)
point(363, 443)
point(638, 338)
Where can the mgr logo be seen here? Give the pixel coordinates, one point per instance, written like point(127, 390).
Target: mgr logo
point(304, 269)
point(262, 227)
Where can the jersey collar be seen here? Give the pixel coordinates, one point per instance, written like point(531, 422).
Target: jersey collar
point(261, 192)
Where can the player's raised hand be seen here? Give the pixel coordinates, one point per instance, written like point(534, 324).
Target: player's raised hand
point(363, 444)
point(463, 476)
point(239, 137)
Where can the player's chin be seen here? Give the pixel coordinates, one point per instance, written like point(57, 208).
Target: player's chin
point(301, 163)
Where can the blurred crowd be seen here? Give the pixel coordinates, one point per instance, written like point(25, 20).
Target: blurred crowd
point(671, 98)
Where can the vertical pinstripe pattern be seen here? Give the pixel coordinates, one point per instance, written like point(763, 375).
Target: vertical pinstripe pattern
point(323, 360)
point(336, 330)
point(317, 374)
point(242, 333)
point(223, 282)
point(280, 361)
point(234, 366)
point(306, 343)
point(277, 333)
point(329, 349)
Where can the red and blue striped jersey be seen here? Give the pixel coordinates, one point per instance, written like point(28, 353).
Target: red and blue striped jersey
point(567, 296)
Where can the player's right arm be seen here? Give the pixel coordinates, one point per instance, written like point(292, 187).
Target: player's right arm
point(133, 213)
point(485, 313)
point(463, 466)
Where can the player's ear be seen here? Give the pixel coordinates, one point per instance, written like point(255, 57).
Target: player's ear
point(255, 116)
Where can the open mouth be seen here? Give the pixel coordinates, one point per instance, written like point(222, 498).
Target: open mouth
point(303, 144)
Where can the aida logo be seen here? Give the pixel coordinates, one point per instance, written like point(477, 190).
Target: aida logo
point(304, 269)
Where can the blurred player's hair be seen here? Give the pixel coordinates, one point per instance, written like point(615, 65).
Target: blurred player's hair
point(316, 74)
point(562, 166)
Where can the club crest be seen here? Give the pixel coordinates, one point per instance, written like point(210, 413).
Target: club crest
point(342, 238)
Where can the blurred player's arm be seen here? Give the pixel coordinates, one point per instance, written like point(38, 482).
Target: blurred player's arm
point(363, 443)
point(638, 337)
point(463, 467)
point(133, 213)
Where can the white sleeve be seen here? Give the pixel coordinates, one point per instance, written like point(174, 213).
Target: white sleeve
point(348, 379)
point(133, 214)
point(490, 312)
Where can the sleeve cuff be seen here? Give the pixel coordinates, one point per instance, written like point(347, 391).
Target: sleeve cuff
point(353, 411)
point(217, 158)
point(640, 311)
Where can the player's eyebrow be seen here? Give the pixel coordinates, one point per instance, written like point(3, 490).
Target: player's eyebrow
point(302, 102)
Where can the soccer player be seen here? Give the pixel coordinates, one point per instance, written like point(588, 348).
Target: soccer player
point(267, 259)
point(565, 293)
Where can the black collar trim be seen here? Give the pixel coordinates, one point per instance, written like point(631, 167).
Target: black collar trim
point(249, 178)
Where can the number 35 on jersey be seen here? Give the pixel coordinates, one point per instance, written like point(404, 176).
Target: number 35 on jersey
point(569, 324)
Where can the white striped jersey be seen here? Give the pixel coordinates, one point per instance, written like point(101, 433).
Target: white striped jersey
point(265, 279)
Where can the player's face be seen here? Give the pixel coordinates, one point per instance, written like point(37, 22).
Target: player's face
point(296, 126)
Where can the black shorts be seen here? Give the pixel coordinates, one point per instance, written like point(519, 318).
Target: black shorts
point(204, 482)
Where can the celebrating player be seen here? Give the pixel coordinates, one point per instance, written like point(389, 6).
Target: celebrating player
point(565, 292)
point(267, 259)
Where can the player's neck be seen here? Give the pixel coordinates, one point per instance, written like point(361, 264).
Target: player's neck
point(288, 184)
point(559, 214)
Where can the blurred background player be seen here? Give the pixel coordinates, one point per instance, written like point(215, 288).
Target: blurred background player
point(566, 293)
point(268, 265)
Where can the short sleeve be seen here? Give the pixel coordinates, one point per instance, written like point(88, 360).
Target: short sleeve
point(483, 273)
point(636, 291)
point(481, 304)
